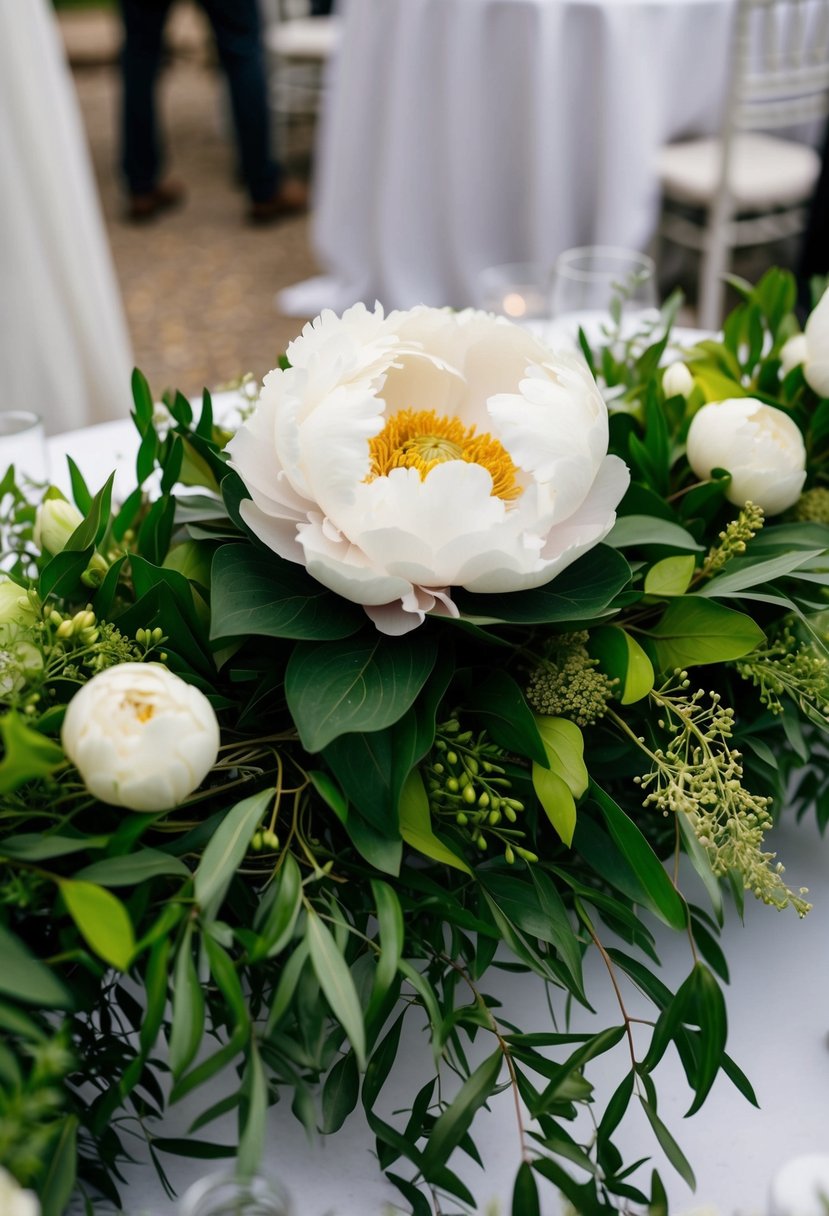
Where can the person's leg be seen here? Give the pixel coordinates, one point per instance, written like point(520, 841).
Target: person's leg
point(237, 28)
point(141, 145)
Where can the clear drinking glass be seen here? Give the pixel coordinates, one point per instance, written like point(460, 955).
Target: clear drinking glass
point(518, 290)
point(23, 444)
point(224, 1194)
point(585, 281)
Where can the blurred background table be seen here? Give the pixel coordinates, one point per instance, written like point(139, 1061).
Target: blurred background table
point(459, 134)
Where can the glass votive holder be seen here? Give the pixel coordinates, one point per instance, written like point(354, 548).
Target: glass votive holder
point(225, 1194)
point(23, 444)
point(587, 279)
point(518, 290)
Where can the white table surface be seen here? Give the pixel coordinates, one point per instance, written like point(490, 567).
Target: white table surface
point(460, 134)
point(778, 1011)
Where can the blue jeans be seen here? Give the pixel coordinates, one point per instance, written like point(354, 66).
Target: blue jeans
point(237, 30)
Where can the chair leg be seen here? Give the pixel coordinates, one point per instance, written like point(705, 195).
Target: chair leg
point(715, 261)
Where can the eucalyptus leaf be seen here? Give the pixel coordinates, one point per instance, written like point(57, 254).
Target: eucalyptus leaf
point(228, 846)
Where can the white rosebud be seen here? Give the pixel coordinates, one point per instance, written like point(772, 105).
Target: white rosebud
point(760, 446)
point(677, 380)
point(794, 352)
point(140, 736)
point(816, 333)
point(14, 1200)
point(55, 522)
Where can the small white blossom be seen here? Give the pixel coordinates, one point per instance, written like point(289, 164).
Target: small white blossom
point(14, 1200)
point(140, 736)
point(760, 446)
point(677, 380)
point(55, 522)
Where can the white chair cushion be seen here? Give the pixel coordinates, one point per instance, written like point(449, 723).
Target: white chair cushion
point(764, 171)
point(303, 37)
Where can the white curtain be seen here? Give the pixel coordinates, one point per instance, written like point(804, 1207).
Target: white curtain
point(64, 347)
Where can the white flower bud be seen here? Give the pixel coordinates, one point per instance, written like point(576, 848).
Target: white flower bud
point(794, 352)
point(677, 380)
point(55, 522)
point(140, 736)
point(15, 606)
point(14, 1200)
point(760, 446)
point(816, 333)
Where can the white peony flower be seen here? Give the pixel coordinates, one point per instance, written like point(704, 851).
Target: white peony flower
point(793, 353)
point(15, 608)
point(760, 446)
point(14, 1200)
point(55, 521)
point(140, 736)
point(677, 380)
point(405, 455)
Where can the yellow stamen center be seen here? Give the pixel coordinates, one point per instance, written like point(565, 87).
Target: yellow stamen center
point(142, 710)
point(420, 439)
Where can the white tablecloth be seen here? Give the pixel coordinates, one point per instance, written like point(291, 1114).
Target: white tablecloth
point(459, 134)
point(778, 1015)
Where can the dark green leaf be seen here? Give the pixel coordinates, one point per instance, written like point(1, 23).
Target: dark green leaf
point(252, 1116)
point(133, 868)
point(454, 1122)
point(525, 1200)
point(340, 1092)
point(59, 1179)
point(187, 1024)
point(336, 982)
point(669, 1146)
point(28, 754)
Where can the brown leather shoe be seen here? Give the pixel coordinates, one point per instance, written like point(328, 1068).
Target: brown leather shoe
point(165, 196)
point(290, 199)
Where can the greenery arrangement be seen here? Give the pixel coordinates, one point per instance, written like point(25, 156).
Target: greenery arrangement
point(415, 778)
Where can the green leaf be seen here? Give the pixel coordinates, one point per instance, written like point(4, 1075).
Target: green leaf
point(278, 912)
point(454, 1122)
point(669, 1146)
point(392, 935)
point(228, 845)
point(29, 846)
point(503, 709)
point(61, 575)
point(622, 658)
point(741, 574)
point(80, 490)
point(694, 631)
point(143, 399)
point(416, 825)
point(253, 1112)
point(710, 1015)
point(133, 869)
point(102, 919)
point(27, 979)
point(360, 684)
point(28, 756)
point(671, 576)
point(59, 1179)
point(336, 982)
point(557, 800)
point(340, 1093)
point(187, 1024)
point(579, 593)
point(564, 749)
point(664, 898)
point(630, 530)
point(525, 1201)
point(259, 594)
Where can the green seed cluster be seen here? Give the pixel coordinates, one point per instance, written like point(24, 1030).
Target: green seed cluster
point(733, 539)
point(567, 683)
point(813, 506)
point(468, 788)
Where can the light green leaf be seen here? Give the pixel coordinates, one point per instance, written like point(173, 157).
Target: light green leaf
point(622, 658)
point(27, 978)
point(102, 920)
point(28, 754)
point(416, 824)
point(253, 1113)
point(392, 934)
point(228, 845)
point(671, 576)
point(694, 631)
point(188, 1008)
point(556, 798)
point(741, 574)
point(336, 982)
point(564, 746)
point(648, 530)
point(359, 684)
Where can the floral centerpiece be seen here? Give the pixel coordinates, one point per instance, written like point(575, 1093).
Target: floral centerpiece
point(436, 665)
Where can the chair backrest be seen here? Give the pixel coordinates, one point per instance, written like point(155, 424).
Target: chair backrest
point(780, 75)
